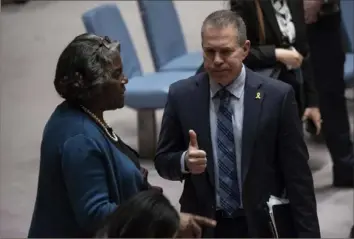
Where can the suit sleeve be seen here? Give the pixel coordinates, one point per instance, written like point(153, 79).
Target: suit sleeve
point(260, 56)
point(86, 182)
point(171, 143)
point(311, 96)
point(302, 45)
point(293, 157)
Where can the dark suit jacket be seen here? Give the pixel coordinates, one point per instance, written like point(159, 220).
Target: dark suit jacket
point(274, 154)
point(263, 56)
point(82, 177)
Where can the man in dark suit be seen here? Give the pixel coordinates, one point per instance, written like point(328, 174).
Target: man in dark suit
point(277, 31)
point(235, 138)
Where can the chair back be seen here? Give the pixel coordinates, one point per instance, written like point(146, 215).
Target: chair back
point(347, 11)
point(106, 20)
point(163, 31)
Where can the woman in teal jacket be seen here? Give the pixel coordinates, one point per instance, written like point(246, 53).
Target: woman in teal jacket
point(86, 170)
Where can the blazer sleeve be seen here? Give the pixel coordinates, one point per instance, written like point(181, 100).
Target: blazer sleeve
point(170, 145)
point(311, 95)
point(293, 159)
point(86, 182)
point(260, 56)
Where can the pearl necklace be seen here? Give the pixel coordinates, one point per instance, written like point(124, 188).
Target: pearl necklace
point(105, 126)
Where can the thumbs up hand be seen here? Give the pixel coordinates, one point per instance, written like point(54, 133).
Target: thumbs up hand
point(195, 159)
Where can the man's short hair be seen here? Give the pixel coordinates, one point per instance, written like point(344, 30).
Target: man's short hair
point(225, 18)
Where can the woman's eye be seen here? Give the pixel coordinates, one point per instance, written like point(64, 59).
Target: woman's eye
point(117, 74)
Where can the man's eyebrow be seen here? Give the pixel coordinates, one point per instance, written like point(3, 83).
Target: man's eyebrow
point(219, 47)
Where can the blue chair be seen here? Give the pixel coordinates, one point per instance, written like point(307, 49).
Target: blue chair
point(347, 10)
point(165, 37)
point(144, 93)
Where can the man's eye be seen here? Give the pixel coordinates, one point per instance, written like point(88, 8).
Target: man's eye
point(225, 52)
point(209, 53)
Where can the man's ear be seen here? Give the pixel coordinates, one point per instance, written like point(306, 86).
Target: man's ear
point(246, 48)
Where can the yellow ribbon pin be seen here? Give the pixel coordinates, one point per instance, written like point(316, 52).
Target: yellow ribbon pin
point(258, 95)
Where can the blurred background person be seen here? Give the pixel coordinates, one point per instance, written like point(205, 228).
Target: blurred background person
point(325, 34)
point(86, 170)
point(148, 214)
point(277, 32)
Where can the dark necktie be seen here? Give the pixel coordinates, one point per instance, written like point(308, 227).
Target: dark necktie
point(228, 184)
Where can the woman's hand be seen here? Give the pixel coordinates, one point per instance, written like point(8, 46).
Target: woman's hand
point(145, 174)
point(290, 58)
point(191, 225)
point(314, 114)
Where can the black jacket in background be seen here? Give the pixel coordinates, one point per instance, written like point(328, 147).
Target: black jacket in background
point(263, 56)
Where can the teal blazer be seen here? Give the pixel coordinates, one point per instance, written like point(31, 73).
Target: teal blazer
point(83, 176)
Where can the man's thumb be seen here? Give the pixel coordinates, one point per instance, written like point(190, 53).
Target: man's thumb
point(193, 139)
point(305, 116)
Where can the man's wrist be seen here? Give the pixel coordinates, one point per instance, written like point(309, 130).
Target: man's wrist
point(184, 168)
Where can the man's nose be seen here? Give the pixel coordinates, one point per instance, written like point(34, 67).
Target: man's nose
point(217, 59)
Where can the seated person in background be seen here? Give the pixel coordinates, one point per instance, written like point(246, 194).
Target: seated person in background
point(148, 214)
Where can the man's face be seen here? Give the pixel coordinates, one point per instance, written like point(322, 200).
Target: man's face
point(223, 56)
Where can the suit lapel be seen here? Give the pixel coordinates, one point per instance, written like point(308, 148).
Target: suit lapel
point(253, 99)
point(201, 100)
point(269, 16)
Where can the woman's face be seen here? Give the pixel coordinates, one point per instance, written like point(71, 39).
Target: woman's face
point(114, 89)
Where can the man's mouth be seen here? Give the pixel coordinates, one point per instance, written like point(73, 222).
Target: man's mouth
point(219, 71)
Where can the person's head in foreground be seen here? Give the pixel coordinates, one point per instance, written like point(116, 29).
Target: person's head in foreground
point(225, 45)
point(148, 214)
point(90, 73)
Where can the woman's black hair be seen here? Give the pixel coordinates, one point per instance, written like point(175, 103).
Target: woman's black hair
point(148, 214)
point(83, 66)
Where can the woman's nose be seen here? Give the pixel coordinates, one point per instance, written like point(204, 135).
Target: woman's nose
point(125, 80)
